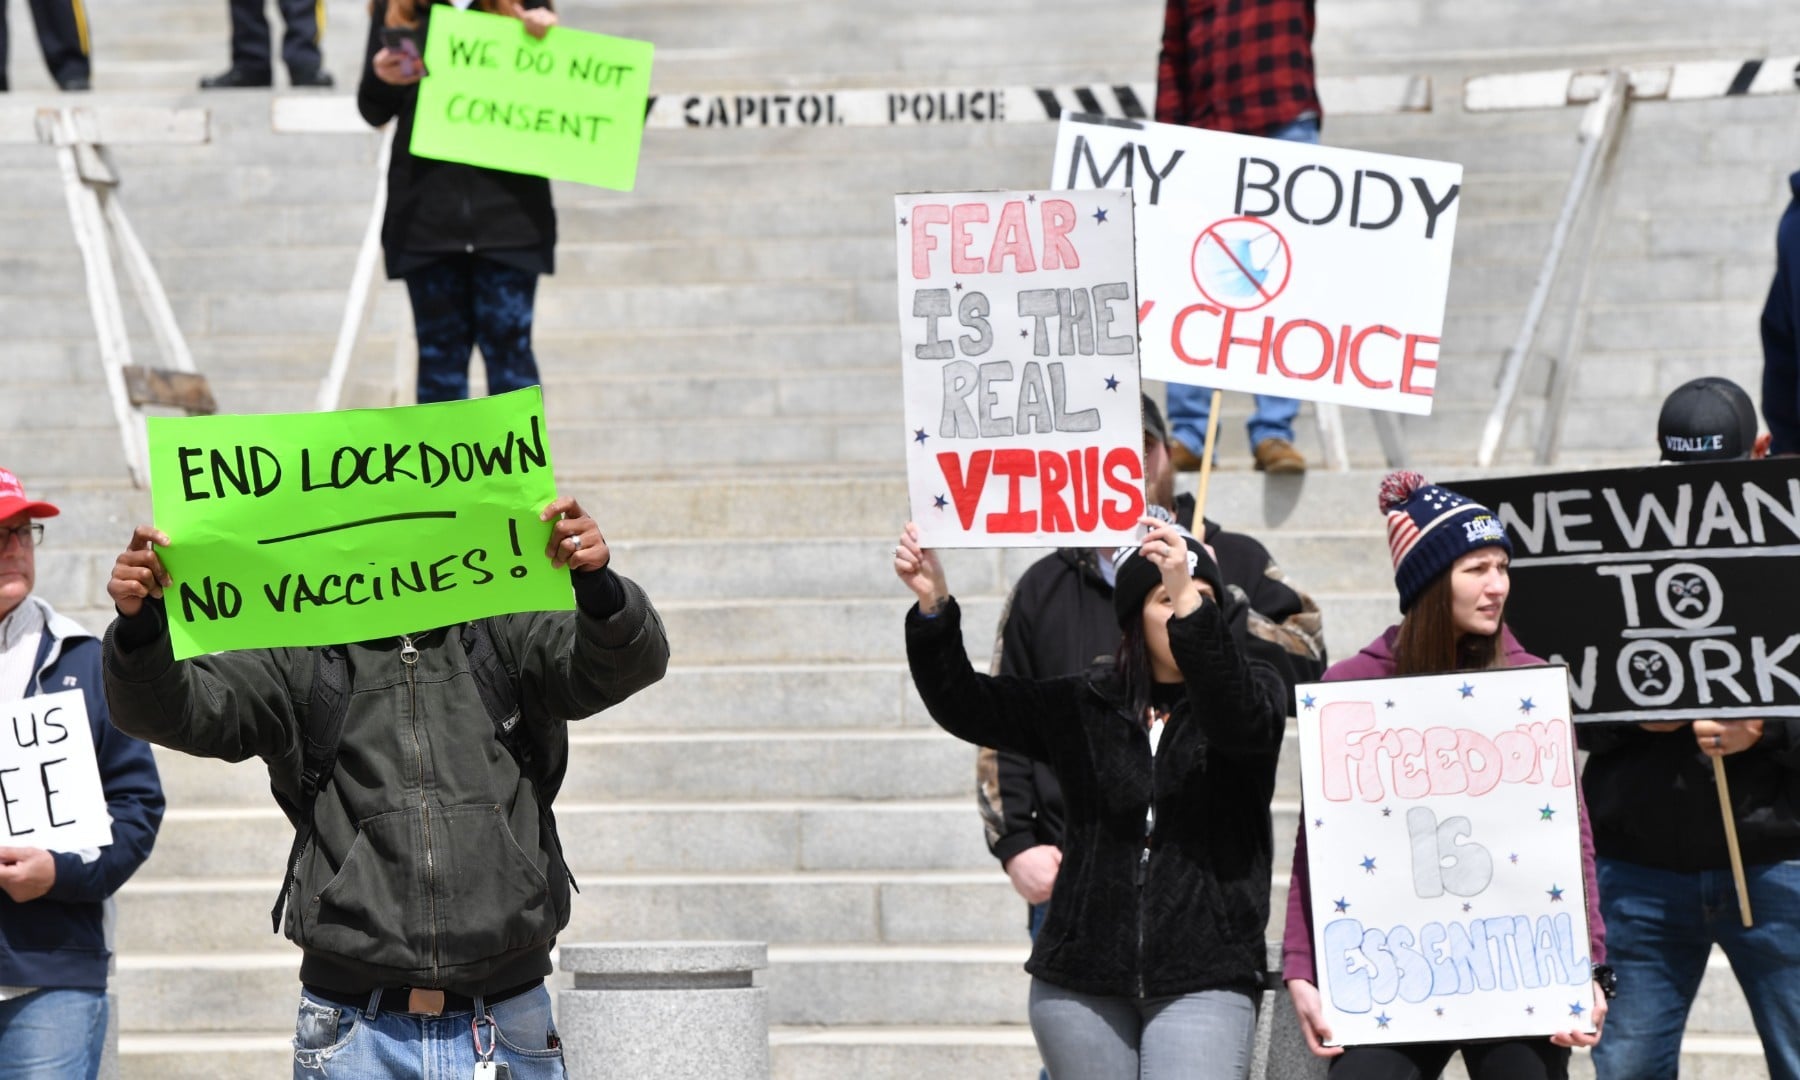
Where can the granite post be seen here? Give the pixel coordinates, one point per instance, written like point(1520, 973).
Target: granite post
point(672, 1010)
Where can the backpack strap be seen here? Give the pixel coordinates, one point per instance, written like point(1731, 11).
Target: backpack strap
point(499, 696)
point(326, 709)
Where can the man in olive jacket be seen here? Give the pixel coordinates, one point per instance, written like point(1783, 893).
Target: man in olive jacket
point(432, 890)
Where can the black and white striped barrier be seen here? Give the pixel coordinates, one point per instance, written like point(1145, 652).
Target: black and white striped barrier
point(1695, 80)
point(1355, 95)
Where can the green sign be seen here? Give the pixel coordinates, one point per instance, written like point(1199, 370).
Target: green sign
point(570, 106)
point(321, 528)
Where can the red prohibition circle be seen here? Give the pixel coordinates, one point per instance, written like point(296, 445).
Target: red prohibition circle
point(1264, 293)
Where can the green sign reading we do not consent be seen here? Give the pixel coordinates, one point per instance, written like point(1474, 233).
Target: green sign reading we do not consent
point(321, 528)
point(570, 106)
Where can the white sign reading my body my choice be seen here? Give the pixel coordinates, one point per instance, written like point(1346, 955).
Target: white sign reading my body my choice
point(1444, 856)
point(50, 793)
point(1276, 267)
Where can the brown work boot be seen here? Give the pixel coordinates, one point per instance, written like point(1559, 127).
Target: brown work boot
point(1278, 456)
point(1184, 460)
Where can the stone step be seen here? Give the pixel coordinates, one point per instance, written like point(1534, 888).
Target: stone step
point(975, 905)
point(717, 836)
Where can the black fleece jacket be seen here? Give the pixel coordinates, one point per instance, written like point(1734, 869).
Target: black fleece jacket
point(439, 208)
point(1189, 915)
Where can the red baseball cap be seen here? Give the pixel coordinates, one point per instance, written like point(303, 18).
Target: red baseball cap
point(13, 500)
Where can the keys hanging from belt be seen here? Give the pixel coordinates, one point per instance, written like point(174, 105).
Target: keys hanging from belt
point(486, 1068)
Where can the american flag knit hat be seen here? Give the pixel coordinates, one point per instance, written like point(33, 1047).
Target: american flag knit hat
point(1429, 528)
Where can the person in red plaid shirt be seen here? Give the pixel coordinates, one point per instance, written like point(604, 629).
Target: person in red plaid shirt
point(1243, 66)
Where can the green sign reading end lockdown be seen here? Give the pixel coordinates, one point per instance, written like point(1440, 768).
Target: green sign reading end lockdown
point(570, 106)
point(321, 528)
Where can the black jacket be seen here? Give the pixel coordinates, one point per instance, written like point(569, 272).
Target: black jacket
point(1059, 620)
point(1191, 915)
point(438, 208)
point(1653, 801)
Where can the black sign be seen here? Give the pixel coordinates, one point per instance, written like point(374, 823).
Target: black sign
point(1670, 591)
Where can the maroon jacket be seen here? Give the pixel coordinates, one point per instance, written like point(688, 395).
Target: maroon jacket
point(1376, 661)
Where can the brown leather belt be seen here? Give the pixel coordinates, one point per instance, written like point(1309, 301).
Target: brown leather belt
point(420, 1000)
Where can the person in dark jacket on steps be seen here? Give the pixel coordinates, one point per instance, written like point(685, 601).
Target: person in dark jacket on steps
point(1059, 620)
point(469, 242)
point(431, 893)
point(1666, 885)
point(1151, 955)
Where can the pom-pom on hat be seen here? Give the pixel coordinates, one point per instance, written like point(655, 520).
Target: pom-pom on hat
point(1136, 577)
point(1429, 528)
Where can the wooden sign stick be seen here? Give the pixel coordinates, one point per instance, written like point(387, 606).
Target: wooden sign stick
point(1206, 457)
point(1731, 840)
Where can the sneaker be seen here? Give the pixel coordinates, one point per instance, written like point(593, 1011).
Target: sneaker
point(1277, 456)
point(236, 79)
point(317, 77)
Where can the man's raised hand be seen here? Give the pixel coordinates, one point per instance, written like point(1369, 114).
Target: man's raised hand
point(138, 572)
point(575, 540)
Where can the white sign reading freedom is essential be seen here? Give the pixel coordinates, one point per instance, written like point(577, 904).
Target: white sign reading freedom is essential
point(1277, 267)
point(1444, 856)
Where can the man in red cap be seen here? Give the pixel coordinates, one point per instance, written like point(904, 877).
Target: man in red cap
point(54, 947)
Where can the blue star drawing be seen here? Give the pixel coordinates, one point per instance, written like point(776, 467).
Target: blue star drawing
point(1468, 906)
point(1341, 904)
point(1531, 1010)
point(1308, 701)
point(1466, 690)
point(902, 221)
point(1368, 863)
point(1576, 1009)
point(1514, 858)
point(1382, 1020)
point(1387, 811)
point(1100, 216)
point(1390, 703)
point(1112, 383)
point(1439, 1010)
point(1555, 893)
point(1545, 813)
point(1031, 198)
point(1318, 823)
point(919, 436)
point(940, 502)
point(959, 286)
point(1525, 706)
point(1024, 333)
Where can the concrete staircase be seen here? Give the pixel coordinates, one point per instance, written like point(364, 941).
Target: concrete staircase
point(718, 351)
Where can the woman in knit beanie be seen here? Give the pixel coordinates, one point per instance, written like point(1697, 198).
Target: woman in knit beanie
point(1148, 960)
point(1450, 567)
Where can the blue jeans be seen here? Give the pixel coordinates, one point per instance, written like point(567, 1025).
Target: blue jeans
point(1273, 418)
point(1203, 1036)
point(52, 1035)
point(462, 301)
point(1660, 927)
point(1038, 911)
point(331, 1040)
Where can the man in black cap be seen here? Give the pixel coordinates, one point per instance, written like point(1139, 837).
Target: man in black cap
point(1666, 887)
point(1059, 620)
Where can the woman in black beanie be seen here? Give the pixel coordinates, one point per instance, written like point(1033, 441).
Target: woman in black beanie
point(1152, 951)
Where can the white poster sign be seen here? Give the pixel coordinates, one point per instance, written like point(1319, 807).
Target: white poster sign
point(1444, 853)
point(1276, 267)
point(50, 793)
point(1019, 353)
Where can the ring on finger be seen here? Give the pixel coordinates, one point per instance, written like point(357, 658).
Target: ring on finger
point(1718, 741)
point(575, 542)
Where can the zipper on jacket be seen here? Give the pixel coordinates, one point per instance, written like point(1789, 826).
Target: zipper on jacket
point(409, 659)
point(1142, 875)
